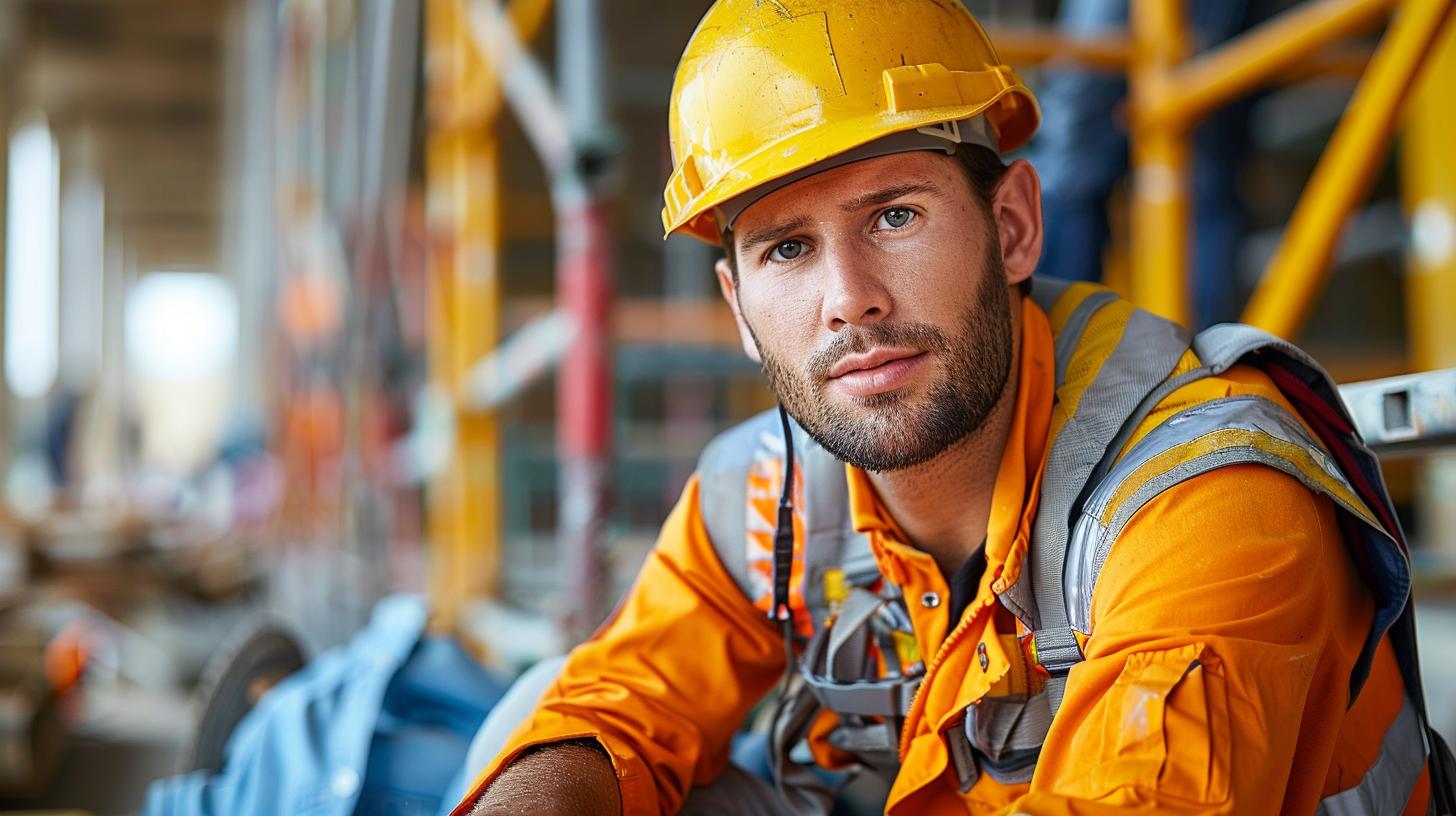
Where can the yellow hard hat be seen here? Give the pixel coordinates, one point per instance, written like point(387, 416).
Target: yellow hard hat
point(767, 89)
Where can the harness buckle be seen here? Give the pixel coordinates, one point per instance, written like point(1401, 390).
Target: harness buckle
point(1056, 650)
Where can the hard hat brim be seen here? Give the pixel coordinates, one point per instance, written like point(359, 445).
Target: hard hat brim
point(1012, 113)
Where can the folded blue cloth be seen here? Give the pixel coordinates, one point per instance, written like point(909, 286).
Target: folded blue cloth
point(379, 726)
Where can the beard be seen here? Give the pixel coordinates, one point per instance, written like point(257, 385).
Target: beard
point(896, 430)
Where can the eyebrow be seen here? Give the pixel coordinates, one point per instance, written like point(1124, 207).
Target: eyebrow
point(887, 195)
point(763, 235)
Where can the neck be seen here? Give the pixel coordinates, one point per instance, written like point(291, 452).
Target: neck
point(944, 505)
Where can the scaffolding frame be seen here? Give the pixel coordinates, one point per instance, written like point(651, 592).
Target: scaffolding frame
point(1170, 92)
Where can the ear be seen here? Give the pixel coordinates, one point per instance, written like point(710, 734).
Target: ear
point(730, 294)
point(1016, 209)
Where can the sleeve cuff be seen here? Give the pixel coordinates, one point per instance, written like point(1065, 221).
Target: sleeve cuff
point(634, 782)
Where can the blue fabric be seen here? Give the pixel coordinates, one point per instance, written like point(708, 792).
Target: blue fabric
point(1080, 152)
point(377, 727)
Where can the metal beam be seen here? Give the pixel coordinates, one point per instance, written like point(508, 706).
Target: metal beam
point(1410, 414)
point(584, 400)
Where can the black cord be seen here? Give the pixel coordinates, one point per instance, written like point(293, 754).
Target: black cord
point(783, 542)
point(783, 561)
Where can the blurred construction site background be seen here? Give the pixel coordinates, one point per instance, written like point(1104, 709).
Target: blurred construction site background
point(311, 302)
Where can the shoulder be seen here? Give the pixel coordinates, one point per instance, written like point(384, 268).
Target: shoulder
point(1232, 492)
point(1228, 546)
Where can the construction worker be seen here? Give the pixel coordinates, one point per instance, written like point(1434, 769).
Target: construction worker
point(1012, 545)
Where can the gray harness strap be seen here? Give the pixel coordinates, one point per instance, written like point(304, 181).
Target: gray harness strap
point(831, 541)
point(723, 490)
point(1147, 352)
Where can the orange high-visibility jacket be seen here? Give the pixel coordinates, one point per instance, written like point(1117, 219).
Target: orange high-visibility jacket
point(1241, 572)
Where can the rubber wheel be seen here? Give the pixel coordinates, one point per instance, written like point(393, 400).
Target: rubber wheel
point(232, 682)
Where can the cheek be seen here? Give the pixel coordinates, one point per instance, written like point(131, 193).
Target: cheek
point(783, 318)
point(940, 273)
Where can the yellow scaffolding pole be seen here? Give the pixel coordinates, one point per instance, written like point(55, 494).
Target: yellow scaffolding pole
point(1159, 156)
point(1428, 185)
point(1169, 94)
point(1284, 44)
point(463, 193)
point(1300, 266)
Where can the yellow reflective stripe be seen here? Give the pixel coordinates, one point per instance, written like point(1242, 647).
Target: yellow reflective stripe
point(1296, 455)
point(1069, 301)
point(1099, 341)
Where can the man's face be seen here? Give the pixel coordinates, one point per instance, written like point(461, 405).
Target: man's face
point(875, 296)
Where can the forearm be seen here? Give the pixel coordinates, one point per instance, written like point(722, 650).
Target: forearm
point(564, 778)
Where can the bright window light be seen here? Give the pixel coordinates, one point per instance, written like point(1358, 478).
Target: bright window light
point(32, 274)
point(181, 326)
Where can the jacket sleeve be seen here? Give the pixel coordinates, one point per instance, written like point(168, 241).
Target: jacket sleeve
point(665, 684)
point(1226, 620)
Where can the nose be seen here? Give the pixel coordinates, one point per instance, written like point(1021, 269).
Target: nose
point(854, 291)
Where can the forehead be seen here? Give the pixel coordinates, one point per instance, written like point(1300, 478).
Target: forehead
point(826, 191)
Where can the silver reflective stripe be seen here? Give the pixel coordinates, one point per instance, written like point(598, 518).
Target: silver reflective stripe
point(1223, 346)
point(1092, 540)
point(1046, 292)
point(1387, 786)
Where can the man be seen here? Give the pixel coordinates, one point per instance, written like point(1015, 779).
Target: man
point(923, 563)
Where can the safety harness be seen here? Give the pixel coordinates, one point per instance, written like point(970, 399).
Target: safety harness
point(856, 653)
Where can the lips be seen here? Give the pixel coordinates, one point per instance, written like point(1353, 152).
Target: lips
point(875, 372)
point(868, 360)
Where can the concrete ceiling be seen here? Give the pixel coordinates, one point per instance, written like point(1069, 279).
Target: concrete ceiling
point(138, 86)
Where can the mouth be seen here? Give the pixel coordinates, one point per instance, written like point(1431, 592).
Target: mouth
point(875, 372)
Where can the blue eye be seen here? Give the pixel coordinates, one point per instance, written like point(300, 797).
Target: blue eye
point(896, 217)
point(787, 251)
